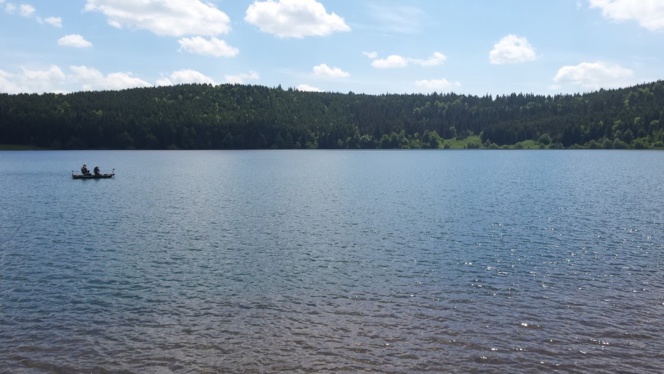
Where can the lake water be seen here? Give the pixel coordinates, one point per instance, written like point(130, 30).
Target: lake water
point(332, 261)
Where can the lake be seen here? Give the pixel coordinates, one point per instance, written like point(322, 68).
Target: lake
point(332, 261)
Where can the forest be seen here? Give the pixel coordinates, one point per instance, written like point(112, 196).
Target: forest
point(231, 116)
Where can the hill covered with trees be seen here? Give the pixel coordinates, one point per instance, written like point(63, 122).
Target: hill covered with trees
point(228, 116)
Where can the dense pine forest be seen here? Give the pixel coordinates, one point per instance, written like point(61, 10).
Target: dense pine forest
point(228, 116)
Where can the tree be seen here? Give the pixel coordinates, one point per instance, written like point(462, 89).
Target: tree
point(228, 141)
point(545, 139)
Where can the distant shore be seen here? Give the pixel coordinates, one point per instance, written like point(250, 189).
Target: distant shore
point(526, 145)
point(19, 147)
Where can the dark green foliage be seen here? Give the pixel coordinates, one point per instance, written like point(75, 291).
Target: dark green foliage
point(251, 117)
point(545, 139)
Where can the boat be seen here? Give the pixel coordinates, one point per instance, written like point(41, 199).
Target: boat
point(93, 176)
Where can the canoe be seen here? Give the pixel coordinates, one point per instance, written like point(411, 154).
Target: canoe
point(92, 176)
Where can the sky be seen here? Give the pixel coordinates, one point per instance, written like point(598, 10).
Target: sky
point(474, 47)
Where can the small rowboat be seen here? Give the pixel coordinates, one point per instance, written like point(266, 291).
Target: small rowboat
point(92, 176)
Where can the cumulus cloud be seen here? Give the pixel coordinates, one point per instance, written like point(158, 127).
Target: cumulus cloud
point(512, 49)
point(208, 47)
point(74, 40)
point(164, 17)
point(324, 70)
point(436, 59)
point(23, 10)
point(185, 76)
point(53, 21)
point(402, 19)
point(594, 75)
point(648, 13)
point(32, 81)
point(294, 18)
point(26, 10)
point(392, 61)
point(307, 88)
point(92, 79)
point(10, 8)
point(41, 80)
point(241, 78)
point(396, 61)
point(371, 55)
point(53, 79)
point(84, 78)
point(7, 84)
point(436, 85)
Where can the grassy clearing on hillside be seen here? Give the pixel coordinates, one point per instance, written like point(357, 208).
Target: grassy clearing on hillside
point(469, 142)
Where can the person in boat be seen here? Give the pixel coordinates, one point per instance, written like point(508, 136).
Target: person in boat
point(84, 170)
point(96, 171)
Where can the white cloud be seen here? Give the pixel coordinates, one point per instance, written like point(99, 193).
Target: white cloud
point(241, 78)
point(399, 19)
point(164, 17)
point(512, 49)
point(436, 59)
point(436, 85)
point(29, 11)
point(53, 21)
point(294, 18)
point(185, 76)
point(324, 70)
point(119, 81)
point(33, 81)
point(648, 13)
point(74, 40)
point(396, 61)
point(7, 85)
point(594, 75)
point(209, 47)
point(92, 79)
point(371, 55)
point(26, 10)
point(10, 8)
point(53, 79)
point(392, 61)
point(53, 73)
point(307, 88)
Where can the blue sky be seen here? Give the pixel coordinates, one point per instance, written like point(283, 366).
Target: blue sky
point(472, 47)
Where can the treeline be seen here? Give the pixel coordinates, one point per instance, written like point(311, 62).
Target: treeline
point(228, 116)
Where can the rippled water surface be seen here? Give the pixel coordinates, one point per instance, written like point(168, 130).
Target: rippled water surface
point(339, 261)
